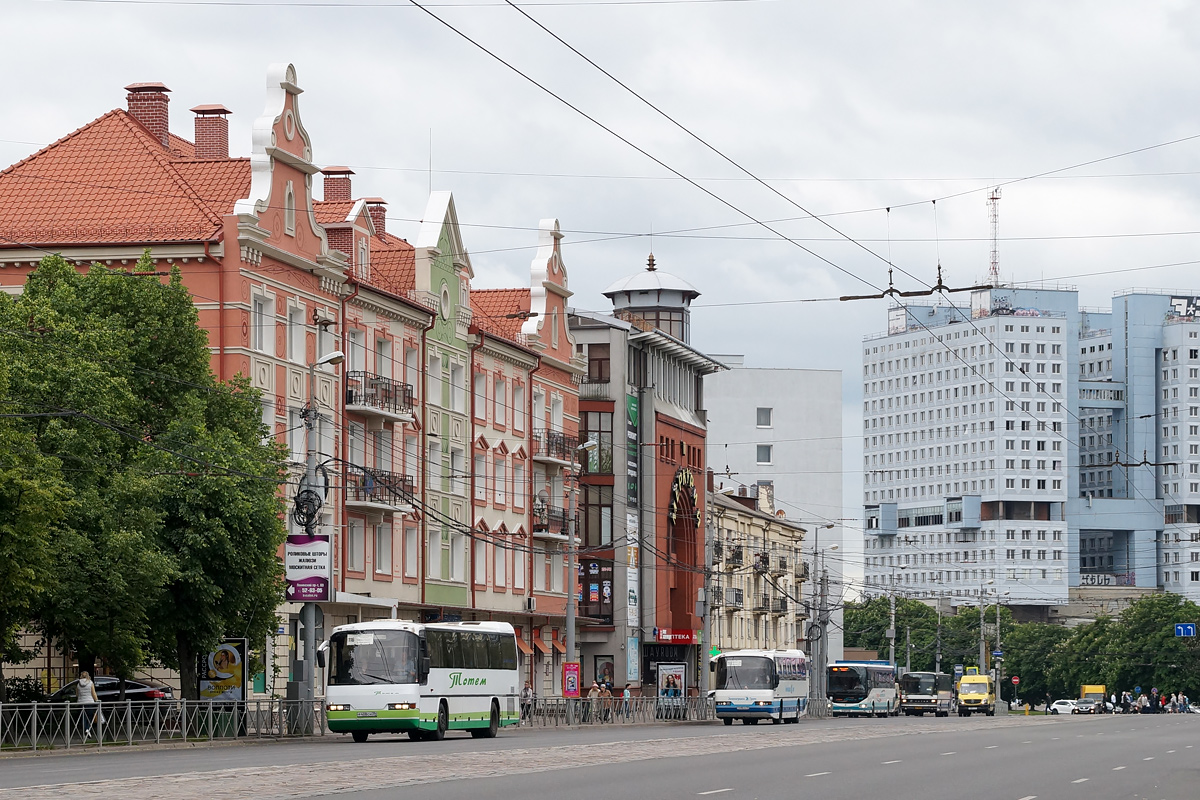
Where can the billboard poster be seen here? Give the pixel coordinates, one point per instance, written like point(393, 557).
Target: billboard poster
point(632, 660)
point(631, 450)
point(672, 680)
point(570, 682)
point(307, 565)
point(633, 555)
point(222, 673)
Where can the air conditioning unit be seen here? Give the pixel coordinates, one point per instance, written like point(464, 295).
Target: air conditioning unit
point(531, 604)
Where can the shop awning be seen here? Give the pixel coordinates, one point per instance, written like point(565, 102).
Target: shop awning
point(541, 646)
point(524, 648)
point(559, 646)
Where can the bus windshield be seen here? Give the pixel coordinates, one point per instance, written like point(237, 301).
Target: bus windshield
point(746, 672)
point(919, 683)
point(370, 657)
point(847, 684)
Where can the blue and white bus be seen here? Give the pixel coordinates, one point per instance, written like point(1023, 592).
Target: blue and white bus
point(760, 684)
point(862, 688)
point(392, 676)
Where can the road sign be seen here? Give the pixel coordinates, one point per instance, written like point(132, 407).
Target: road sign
point(997, 654)
point(1185, 629)
point(1137, 689)
point(1015, 680)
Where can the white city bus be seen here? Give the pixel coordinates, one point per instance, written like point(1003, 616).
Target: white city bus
point(389, 676)
point(862, 688)
point(760, 684)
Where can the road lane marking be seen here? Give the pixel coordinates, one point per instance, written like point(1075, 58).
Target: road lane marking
point(714, 791)
point(1148, 758)
point(1081, 780)
point(817, 774)
point(1029, 797)
point(897, 761)
point(1170, 751)
point(1027, 741)
point(952, 752)
point(1117, 768)
point(991, 747)
point(1054, 738)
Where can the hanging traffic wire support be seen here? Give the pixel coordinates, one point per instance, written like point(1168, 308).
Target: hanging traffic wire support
point(1145, 463)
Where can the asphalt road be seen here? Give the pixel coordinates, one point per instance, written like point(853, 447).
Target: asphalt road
point(1015, 758)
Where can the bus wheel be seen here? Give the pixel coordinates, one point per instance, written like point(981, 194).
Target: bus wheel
point(443, 722)
point(493, 725)
point(359, 736)
point(728, 720)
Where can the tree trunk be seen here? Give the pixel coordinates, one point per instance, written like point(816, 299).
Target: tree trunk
point(189, 685)
point(3, 686)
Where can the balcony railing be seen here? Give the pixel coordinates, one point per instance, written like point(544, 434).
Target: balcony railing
point(779, 565)
point(548, 519)
point(373, 488)
point(733, 599)
point(594, 389)
point(734, 557)
point(779, 605)
point(367, 392)
point(762, 561)
point(762, 603)
point(800, 570)
point(554, 446)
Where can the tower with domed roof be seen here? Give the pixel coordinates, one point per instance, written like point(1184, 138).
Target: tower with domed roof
point(656, 299)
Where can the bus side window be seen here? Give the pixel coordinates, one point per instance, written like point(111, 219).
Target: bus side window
point(423, 661)
point(774, 675)
point(508, 652)
point(495, 657)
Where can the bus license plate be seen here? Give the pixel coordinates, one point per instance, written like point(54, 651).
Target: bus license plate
point(367, 714)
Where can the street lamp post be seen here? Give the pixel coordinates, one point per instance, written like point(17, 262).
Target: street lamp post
point(982, 640)
point(308, 612)
point(572, 570)
point(891, 631)
point(819, 645)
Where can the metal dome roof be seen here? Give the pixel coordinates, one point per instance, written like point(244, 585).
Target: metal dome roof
point(652, 279)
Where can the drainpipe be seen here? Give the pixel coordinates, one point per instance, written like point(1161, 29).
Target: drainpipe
point(220, 313)
point(470, 390)
point(422, 457)
point(343, 546)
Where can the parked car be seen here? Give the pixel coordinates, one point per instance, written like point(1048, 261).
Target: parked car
point(1062, 707)
point(108, 689)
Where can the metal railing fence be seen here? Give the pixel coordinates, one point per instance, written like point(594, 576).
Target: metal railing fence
point(46, 726)
point(557, 711)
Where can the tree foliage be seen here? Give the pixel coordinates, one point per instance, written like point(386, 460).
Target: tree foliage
point(162, 522)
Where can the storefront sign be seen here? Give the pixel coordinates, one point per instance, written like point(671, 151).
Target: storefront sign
point(222, 673)
point(308, 567)
point(570, 682)
point(676, 636)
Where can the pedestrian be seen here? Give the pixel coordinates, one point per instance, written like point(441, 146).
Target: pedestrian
point(593, 700)
point(85, 695)
point(606, 697)
point(627, 697)
point(1047, 709)
point(526, 701)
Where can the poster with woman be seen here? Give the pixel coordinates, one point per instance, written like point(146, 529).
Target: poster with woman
point(222, 672)
point(606, 669)
point(671, 680)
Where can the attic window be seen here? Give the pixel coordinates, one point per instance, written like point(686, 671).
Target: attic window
point(289, 211)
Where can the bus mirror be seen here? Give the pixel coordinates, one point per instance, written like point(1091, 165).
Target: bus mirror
point(423, 667)
point(712, 666)
point(321, 659)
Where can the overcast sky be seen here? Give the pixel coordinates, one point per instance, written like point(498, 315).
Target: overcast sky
point(846, 108)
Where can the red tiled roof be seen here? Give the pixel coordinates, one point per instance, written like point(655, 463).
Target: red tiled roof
point(331, 212)
point(492, 307)
point(180, 146)
point(111, 181)
point(393, 264)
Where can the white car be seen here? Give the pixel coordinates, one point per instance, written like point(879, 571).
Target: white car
point(1062, 707)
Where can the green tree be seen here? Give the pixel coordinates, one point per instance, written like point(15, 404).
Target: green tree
point(1144, 650)
point(1029, 650)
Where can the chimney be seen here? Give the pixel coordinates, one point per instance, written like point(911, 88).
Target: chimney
point(148, 105)
point(337, 183)
point(377, 208)
point(212, 131)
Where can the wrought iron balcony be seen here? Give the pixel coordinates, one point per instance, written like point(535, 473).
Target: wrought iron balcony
point(800, 570)
point(549, 522)
point(779, 605)
point(554, 446)
point(762, 603)
point(376, 490)
point(734, 556)
point(733, 599)
point(367, 393)
point(779, 565)
point(762, 561)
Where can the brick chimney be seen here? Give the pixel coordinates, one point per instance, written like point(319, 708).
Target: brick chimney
point(337, 183)
point(377, 208)
point(148, 105)
point(212, 131)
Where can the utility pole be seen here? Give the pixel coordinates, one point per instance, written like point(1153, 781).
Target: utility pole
point(999, 661)
point(891, 631)
point(982, 641)
point(908, 648)
point(937, 658)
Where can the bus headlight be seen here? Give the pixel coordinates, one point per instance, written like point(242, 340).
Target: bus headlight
point(401, 706)
point(337, 707)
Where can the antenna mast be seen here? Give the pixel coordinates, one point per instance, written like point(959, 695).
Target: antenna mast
point(994, 218)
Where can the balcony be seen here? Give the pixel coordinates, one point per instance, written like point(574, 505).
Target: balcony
point(733, 599)
point(800, 570)
point(373, 490)
point(376, 395)
point(594, 389)
point(554, 447)
point(733, 557)
point(779, 565)
point(762, 561)
point(762, 604)
point(779, 606)
point(549, 522)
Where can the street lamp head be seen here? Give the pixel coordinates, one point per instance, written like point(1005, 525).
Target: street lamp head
point(988, 583)
point(591, 444)
point(336, 357)
point(832, 547)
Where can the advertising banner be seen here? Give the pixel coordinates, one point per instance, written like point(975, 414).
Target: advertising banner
point(570, 682)
point(633, 556)
point(307, 564)
point(671, 680)
point(631, 450)
point(222, 673)
point(632, 660)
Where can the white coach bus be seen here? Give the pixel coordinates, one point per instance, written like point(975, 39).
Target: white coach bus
point(388, 676)
point(760, 684)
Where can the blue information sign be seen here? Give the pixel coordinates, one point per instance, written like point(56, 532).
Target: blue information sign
point(1185, 629)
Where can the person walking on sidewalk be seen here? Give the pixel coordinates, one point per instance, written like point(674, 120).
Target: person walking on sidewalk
point(526, 702)
point(85, 695)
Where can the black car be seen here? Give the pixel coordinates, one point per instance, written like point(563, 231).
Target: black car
point(108, 689)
